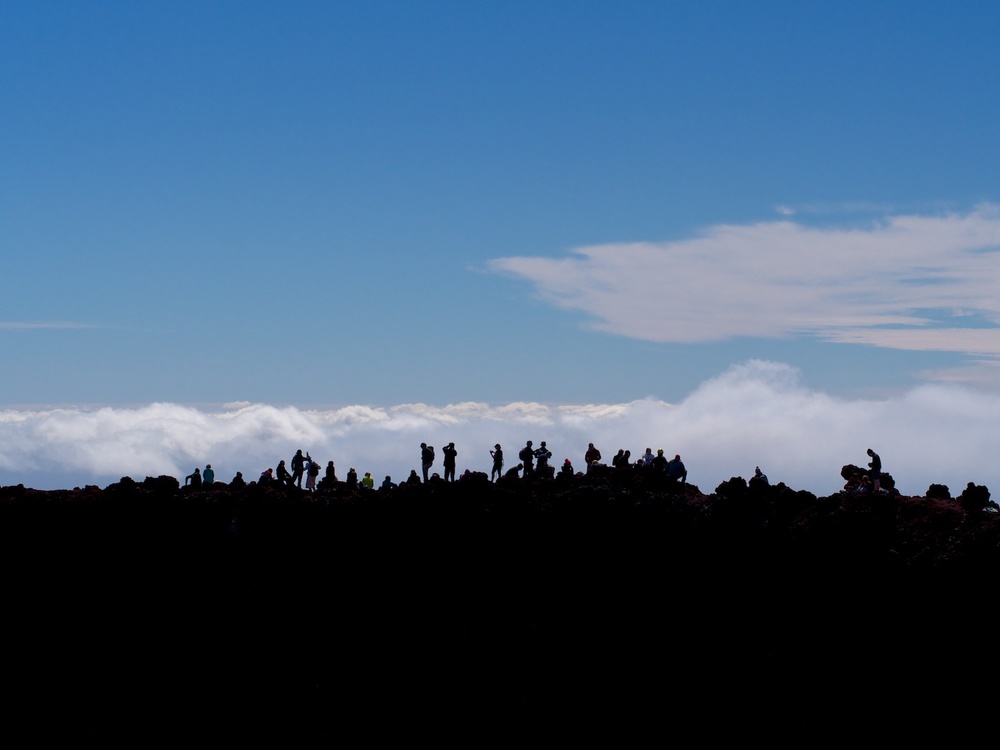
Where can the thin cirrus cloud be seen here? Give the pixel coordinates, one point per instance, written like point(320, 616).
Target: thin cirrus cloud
point(32, 325)
point(907, 282)
point(937, 433)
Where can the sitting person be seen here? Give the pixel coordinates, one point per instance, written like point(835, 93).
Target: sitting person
point(676, 471)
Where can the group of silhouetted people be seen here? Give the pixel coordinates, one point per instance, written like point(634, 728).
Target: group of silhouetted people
point(303, 471)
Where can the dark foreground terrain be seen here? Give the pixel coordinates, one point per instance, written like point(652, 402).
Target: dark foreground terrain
point(607, 606)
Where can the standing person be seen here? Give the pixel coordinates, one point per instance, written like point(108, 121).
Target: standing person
point(592, 456)
point(311, 473)
point(194, 478)
point(497, 455)
point(449, 462)
point(543, 454)
point(426, 458)
point(876, 469)
point(527, 456)
point(331, 473)
point(298, 467)
point(208, 476)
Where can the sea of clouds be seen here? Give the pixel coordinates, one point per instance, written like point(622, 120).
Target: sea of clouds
point(755, 414)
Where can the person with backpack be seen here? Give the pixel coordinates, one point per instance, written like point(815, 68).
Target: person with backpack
point(426, 458)
point(312, 472)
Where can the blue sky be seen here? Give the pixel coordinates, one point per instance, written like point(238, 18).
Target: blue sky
point(231, 230)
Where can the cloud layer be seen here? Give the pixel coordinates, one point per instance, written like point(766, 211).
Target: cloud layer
point(756, 413)
point(909, 282)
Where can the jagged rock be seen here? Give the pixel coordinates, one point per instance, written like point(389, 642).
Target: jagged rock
point(939, 491)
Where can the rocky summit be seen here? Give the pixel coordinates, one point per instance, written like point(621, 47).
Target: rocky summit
point(602, 605)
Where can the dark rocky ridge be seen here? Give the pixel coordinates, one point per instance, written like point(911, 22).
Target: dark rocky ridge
point(471, 611)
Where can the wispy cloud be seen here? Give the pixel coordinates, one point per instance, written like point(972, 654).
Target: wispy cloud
point(34, 325)
point(889, 284)
point(756, 413)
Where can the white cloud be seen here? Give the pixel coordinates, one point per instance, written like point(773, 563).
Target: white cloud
point(885, 285)
point(756, 413)
point(9, 325)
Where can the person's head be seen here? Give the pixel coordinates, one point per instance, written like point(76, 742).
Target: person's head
point(871, 452)
point(208, 466)
point(677, 457)
point(659, 451)
point(543, 443)
point(529, 442)
point(590, 445)
point(497, 446)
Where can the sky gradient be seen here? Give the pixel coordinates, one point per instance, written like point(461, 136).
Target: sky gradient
point(750, 233)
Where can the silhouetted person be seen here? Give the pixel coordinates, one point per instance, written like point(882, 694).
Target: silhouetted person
point(618, 457)
point(876, 469)
point(592, 456)
point(449, 461)
point(527, 456)
point(676, 472)
point(352, 479)
point(758, 481)
point(266, 476)
point(414, 478)
point(497, 454)
point(208, 476)
point(543, 454)
point(367, 483)
point(647, 457)
point(283, 476)
point(238, 480)
point(512, 472)
point(194, 478)
point(331, 473)
point(298, 468)
point(659, 462)
point(567, 469)
point(387, 483)
point(312, 471)
point(426, 458)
